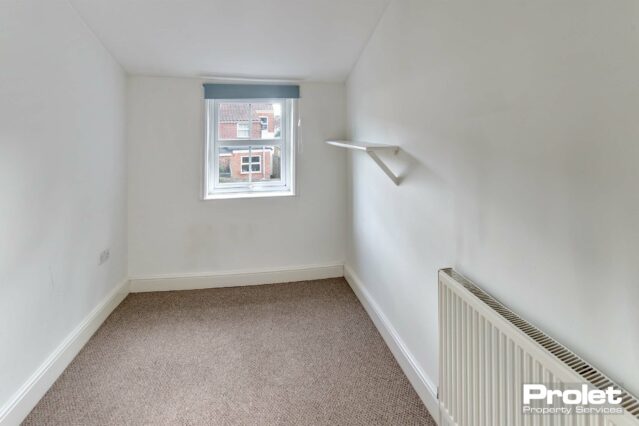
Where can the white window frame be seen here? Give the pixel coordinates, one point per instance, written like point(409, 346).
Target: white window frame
point(248, 130)
point(213, 189)
point(260, 117)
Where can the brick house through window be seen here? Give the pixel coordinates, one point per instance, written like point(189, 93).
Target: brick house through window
point(254, 122)
point(235, 120)
point(237, 164)
point(249, 146)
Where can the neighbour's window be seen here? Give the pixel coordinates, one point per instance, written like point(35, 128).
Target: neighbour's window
point(242, 130)
point(250, 149)
point(252, 164)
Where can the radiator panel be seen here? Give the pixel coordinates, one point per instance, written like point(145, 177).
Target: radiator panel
point(487, 353)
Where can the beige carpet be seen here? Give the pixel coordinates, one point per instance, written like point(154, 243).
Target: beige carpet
point(284, 354)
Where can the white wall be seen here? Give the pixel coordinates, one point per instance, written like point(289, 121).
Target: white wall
point(174, 232)
point(518, 125)
point(62, 180)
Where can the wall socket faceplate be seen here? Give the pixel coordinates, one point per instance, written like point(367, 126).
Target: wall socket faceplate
point(104, 256)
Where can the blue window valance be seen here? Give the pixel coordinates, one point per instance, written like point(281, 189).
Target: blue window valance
point(251, 91)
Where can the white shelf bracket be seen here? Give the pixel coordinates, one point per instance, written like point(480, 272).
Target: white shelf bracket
point(384, 167)
point(371, 149)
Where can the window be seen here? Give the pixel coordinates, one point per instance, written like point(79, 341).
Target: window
point(249, 147)
point(242, 130)
point(252, 164)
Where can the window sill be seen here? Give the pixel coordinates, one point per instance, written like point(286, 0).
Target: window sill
point(255, 194)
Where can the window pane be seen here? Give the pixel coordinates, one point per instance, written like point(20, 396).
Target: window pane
point(238, 165)
point(233, 120)
point(240, 120)
point(267, 119)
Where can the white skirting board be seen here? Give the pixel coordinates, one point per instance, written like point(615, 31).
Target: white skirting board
point(41, 380)
point(424, 387)
point(23, 401)
point(236, 278)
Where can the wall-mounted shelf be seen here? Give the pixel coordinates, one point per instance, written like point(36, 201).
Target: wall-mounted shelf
point(371, 149)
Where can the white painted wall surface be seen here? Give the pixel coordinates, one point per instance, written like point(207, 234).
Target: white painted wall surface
point(519, 129)
point(62, 181)
point(173, 232)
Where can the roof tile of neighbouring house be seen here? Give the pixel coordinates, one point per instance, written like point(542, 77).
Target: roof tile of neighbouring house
point(237, 111)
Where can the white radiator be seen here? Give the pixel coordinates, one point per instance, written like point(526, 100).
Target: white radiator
point(487, 353)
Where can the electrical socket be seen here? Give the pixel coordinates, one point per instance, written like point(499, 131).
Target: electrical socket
point(104, 256)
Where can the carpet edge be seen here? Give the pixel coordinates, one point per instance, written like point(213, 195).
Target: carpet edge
point(422, 384)
point(16, 409)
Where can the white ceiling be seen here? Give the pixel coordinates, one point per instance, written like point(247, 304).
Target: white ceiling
point(287, 39)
